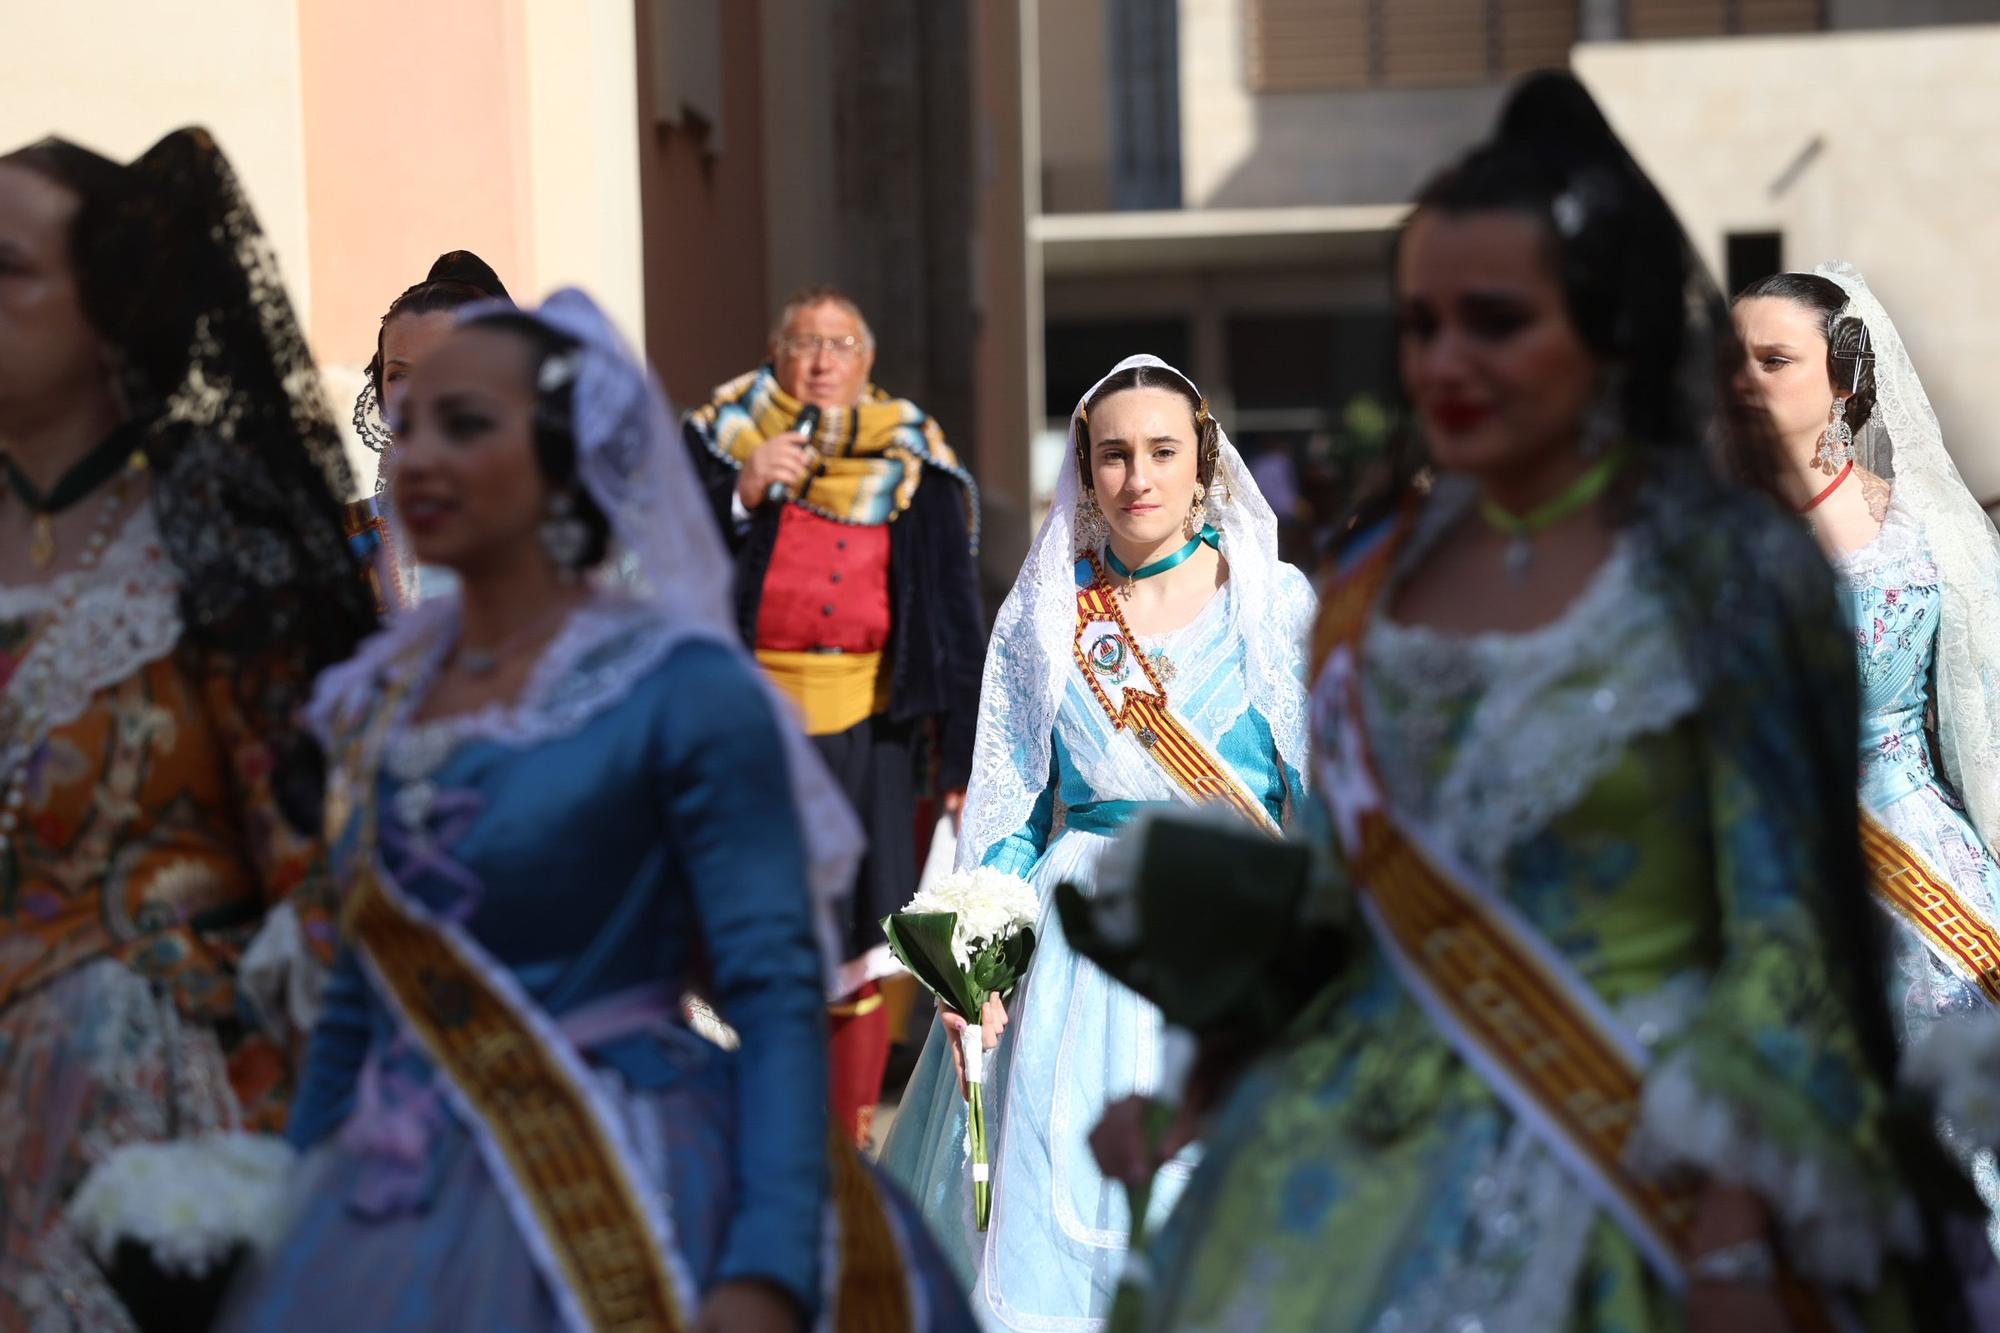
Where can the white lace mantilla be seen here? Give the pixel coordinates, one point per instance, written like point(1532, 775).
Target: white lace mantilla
point(1550, 712)
point(125, 614)
point(1899, 552)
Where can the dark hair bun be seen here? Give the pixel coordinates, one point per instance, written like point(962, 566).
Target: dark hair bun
point(1552, 113)
point(1850, 363)
point(468, 268)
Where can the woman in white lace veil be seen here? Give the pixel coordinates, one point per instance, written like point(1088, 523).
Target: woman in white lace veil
point(1920, 565)
point(570, 774)
point(1053, 777)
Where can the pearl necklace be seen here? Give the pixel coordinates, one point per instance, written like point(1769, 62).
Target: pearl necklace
point(23, 702)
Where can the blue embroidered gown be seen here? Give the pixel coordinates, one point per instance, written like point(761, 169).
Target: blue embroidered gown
point(626, 828)
point(1894, 600)
point(1075, 1040)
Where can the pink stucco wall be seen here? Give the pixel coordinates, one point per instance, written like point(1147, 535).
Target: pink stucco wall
point(415, 143)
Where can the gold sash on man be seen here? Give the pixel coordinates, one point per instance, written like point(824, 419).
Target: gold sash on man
point(601, 1237)
point(1956, 934)
point(1510, 1005)
point(1113, 665)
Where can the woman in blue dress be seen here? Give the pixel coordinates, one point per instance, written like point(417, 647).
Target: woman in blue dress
point(1920, 572)
point(556, 804)
point(1155, 575)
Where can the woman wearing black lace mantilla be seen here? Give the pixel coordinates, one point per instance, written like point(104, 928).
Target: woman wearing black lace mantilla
point(172, 577)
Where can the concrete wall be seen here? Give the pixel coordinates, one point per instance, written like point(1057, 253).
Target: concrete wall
point(582, 180)
point(411, 149)
point(1243, 149)
point(707, 303)
point(371, 135)
point(1007, 280)
point(1075, 78)
point(1874, 147)
point(116, 76)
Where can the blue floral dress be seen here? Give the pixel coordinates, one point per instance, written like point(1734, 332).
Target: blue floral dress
point(1894, 601)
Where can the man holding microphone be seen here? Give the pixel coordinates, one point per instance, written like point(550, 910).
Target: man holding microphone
point(854, 528)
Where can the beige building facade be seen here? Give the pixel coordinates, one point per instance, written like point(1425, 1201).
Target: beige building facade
point(1800, 129)
point(1873, 147)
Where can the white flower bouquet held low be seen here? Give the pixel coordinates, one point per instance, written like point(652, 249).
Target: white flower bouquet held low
point(965, 937)
point(170, 1222)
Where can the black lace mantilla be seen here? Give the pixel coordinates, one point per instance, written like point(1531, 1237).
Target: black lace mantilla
point(248, 468)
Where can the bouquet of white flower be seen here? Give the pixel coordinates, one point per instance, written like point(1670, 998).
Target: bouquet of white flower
point(965, 937)
point(170, 1222)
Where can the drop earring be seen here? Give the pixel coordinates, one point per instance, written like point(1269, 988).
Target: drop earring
point(564, 535)
point(1836, 442)
point(1091, 529)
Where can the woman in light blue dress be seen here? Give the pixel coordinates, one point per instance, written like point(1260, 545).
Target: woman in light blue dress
point(1157, 504)
point(1920, 573)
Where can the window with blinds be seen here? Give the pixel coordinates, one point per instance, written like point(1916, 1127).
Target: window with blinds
point(1320, 45)
point(1717, 18)
point(1317, 45)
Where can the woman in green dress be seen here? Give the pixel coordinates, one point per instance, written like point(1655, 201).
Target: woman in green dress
point(1607, 1051)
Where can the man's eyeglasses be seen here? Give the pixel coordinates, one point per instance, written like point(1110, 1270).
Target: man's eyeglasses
point(803, 345)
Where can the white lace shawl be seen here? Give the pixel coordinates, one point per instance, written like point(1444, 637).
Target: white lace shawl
point(1902, 441)
point(1029, 658)
point(1556, 706)
point(126, 615)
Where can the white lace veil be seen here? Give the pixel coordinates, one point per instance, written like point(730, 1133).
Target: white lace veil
point(666, 552)
point(1029, 657)
point(1902, 441)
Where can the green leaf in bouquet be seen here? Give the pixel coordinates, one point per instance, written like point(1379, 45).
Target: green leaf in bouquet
point(921, 941)
point(998, 967)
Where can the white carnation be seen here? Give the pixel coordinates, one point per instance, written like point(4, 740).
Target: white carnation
point(990, 905)
point(190, 1201)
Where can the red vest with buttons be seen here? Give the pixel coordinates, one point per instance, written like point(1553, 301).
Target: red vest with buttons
point(827, 586)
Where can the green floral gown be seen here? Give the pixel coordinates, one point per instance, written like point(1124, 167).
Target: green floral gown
point(1363, 1177)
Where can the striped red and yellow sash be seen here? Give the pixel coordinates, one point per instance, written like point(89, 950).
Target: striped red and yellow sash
point(1905, 883)
point(1114, 667)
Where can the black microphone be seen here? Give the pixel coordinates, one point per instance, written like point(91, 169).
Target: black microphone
point(807, 423)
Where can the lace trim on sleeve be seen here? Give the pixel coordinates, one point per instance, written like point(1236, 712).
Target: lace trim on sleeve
point(1838, 1226)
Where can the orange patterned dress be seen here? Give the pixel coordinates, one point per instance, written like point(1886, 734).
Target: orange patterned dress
point(142, 854)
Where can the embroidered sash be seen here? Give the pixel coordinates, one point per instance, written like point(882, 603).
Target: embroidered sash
point(599, 1233)
point(549, 1136)
point(1127, 685)
point(1511, 1006)
point(1958, 936)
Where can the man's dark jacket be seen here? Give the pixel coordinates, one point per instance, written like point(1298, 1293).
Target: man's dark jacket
point(937, 632)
